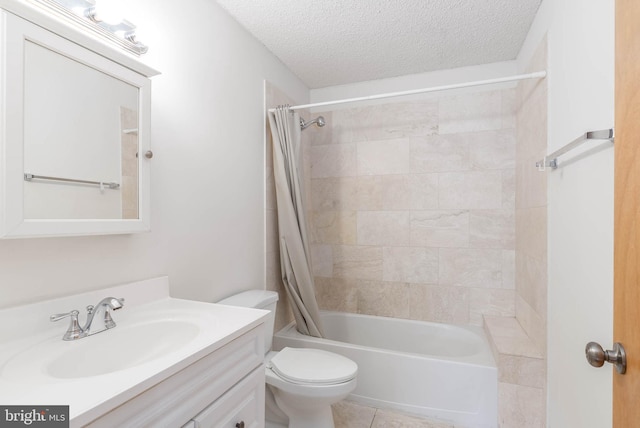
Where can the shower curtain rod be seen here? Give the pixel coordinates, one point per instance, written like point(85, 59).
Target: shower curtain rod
point(536, 75)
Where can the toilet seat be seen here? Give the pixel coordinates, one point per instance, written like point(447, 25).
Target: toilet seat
point(305, 366)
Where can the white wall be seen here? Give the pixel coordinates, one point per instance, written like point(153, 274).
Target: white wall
point(207, 172)
point(580, 211)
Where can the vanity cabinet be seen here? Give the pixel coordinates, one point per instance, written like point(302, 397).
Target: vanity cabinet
point(241, 407)
point(222, 389)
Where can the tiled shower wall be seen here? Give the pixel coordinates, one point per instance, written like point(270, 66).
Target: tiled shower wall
point(413, 208)
point(531, 203)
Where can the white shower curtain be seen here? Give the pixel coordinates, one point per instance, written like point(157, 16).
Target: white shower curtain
point(295, 258)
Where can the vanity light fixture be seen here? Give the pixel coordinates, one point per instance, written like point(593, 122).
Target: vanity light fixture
point(99, 20)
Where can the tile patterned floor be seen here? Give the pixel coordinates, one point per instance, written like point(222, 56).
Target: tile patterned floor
point(347, 414)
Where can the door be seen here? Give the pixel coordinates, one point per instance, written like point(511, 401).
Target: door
point(626, 329)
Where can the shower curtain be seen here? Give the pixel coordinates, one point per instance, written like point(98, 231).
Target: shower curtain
point(295, 258)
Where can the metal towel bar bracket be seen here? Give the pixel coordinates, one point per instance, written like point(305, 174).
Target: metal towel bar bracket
point(551, 160)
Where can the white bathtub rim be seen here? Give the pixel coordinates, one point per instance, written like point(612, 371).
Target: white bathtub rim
point(484, 359)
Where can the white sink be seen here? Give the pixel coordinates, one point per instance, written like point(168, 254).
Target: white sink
point(155, 337)
point(120, 348)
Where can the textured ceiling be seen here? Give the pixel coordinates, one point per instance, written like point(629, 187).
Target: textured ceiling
point(334, 42)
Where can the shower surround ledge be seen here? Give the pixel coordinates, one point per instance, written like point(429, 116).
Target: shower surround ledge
point(521, 373)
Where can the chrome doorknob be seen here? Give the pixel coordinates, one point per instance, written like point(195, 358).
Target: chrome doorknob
point(596, 356)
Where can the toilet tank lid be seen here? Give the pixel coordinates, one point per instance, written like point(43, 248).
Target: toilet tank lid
point(251, 299)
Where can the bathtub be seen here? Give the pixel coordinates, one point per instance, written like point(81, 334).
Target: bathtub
point(428, 369)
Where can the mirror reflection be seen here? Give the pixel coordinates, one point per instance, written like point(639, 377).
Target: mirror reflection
point(80, 140)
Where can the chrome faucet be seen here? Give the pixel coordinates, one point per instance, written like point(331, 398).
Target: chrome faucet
point(107, 304)
point(75, 332)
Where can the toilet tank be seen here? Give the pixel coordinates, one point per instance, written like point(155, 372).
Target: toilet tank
point(258, 299)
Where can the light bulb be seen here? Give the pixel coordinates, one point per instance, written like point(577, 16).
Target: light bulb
point(107, 12)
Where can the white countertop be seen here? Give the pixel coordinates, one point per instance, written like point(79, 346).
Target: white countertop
point(28, 340)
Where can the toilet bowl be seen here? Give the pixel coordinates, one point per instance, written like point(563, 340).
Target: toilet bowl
point(303, 382)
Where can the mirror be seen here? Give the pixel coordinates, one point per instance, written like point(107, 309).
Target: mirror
point(76, 119)
point(80, 130)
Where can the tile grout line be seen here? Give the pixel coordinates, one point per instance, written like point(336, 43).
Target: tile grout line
point(374, 418)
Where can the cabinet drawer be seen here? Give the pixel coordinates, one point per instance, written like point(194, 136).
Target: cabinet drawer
point(241, 406)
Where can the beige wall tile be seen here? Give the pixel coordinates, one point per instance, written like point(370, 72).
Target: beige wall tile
point(531, 274)
point(492, 229)
point(357, 262)
point(386, 192)
point(440, 153)
point(509, 108)
point(334, 227)
point(479, 111)
point(271, 231)
point(509, 189)
point(439, 303)
point(272, 272)
point(533, 324)
point(129, 189)
point(488, 301)
point(390, 197)
point(383, 157)
point(322, 260)
point(334, 194)
point(510, 338)
point(413, 265)
point(520, 406)
point(531, 229)
point(357, 124)
point(410, 119)
point(470, 190)
point(531, 185)
point(270, 191)
point(390, 228)
point(333, 160)
point(492, 150)
point(130, 167)
point(337, 294)
point(509, 269)
point(387, 299)
point(440, 228)
point(423, 191)
point(481, 268)
point(382, 122)
point(523, 371)
point(532, 120)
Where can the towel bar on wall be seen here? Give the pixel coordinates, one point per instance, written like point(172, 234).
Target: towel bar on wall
point(551, 160)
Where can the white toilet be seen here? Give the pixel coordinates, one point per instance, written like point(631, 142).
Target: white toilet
point(304, 382)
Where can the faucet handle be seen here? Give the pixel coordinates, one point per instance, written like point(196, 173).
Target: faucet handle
point(74, 331)
point(58, 317)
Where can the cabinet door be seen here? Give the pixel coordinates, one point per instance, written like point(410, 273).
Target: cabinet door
point(241, 407)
